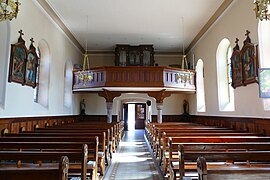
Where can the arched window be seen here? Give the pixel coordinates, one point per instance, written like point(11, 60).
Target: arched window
point(68, 85)
point(225, 90)
point(36, 90)
point(264, 44)
point(200, 86)
point(4, 52)
point(43, 75)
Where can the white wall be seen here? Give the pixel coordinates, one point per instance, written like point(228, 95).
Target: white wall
point(165, 60)
point(96, 60)
point(19, 99)
point(233, 24)
point(96, 105)
point(173, 105)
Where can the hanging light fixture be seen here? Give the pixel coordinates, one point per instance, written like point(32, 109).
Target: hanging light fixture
point(184, 57)
point(184, 77)
point(86, 75)
point(261, 9)
point(8, 9)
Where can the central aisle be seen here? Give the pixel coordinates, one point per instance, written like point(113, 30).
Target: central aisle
point(133, 159)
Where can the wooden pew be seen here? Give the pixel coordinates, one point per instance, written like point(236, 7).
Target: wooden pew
point(112, 141)
point(209, 139)
point(150, 127)
point(159, 130)
point(247, 173)
point(40, 173)
point(118, 127)
point(203, 137)
point(37, 156)
point(57, 143)
point(190, 151)
point(104, 148)
point(54, 150)
point(116, 131)
point(163, 139)
point(188, 133)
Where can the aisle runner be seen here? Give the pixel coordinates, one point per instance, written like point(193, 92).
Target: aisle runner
point(133, 159)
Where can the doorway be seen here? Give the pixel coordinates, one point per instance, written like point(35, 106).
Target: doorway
point(131, 117)
point(134, 116)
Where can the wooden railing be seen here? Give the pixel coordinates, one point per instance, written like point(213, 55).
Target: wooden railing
point(139, 77)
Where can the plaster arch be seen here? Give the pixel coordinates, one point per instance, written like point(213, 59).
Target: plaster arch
point(68, 85)
point(4, 56)
point(133, 98)
point(44, 76)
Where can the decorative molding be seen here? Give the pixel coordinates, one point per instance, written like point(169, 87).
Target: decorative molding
point(59, 22)
point(156, 53)
point(108, 52)
point(210, 22)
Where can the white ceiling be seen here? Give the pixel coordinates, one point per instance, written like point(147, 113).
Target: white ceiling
point(135, 22)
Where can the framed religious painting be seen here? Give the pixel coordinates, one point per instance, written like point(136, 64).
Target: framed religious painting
point(18, 55)
point(249, 61)
point(236, 66)
point(31, 66)
point(264, 82)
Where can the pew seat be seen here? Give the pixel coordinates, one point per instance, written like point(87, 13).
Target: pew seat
point(56, 172)
point(247, 173)
point(79, 156)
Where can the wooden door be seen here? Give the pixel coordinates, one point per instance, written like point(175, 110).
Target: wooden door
point(125, 115)
point(140, 115)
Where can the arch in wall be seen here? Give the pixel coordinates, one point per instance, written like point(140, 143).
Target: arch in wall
point(200, 93)
point(225, 90)
point(264, 44)
point(44, 76)
point(123, 112)
point(68, 85)
point(4, 57)
point(133, 98)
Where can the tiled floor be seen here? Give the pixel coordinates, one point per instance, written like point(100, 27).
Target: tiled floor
point(133, 160)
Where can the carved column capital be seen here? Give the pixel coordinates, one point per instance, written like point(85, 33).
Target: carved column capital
point(159, 110)
point(159, 106)
point(109, 95)
point(159, 95)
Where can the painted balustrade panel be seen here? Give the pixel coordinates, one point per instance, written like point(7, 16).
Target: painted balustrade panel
point(115, 76)
point(184, 79)
point(88, 79)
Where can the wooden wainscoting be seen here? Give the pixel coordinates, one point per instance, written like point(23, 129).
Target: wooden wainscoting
point(254, 125)
point(171, 118)
point(100, 118)
point(14, 124)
